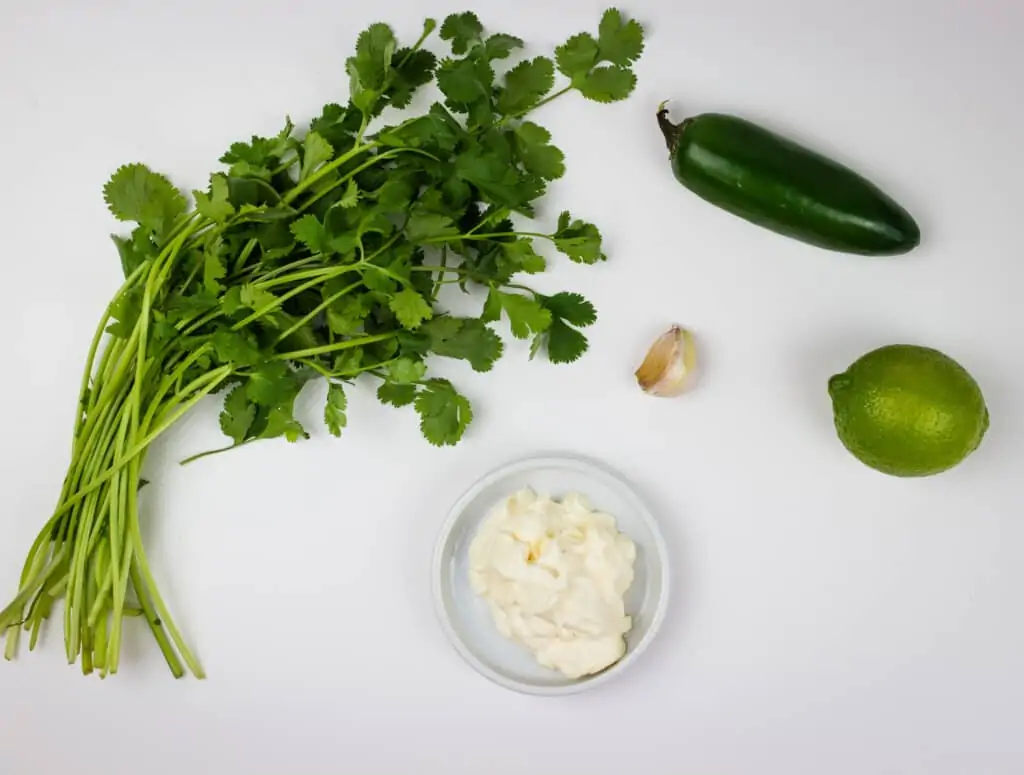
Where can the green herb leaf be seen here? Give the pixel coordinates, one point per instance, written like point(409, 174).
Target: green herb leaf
point(370, 68)
point(565, 344)
point(256, 298)
point(579, 240)
point(444, 413)
point(463, 30)
point(501, 46)
point(125, 311)
point(410, 308)
point(215, 205)
point(334, 409)
point(520, 256)
point(213, 272)
point(135, 193)
point(465, 82)
point(577, 55)
point(533, 144)
point(375, 49)
point(423, 226)
point(315, 152)
point(525, 85)
point(396, 395)
point(492, 306)
point(237, 416)
point(406, 371)
point(525, 314)
point(414, 69)
point(345, 315)
point(236, 348)
point(570, 307)
point(621, 42)
point(351, 196)
point(311, 233)
point(270, 384)
point(607, 83)
point(468, 339)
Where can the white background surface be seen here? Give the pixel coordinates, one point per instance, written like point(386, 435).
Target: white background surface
point(825, 618)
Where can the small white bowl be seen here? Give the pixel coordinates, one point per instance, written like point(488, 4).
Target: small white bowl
point(464, 615)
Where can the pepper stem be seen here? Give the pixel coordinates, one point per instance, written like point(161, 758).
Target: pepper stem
point(670, 130)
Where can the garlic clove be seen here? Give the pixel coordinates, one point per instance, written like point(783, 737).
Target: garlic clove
point(670, 364)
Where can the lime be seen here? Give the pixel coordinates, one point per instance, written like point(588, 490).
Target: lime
point(908, 410)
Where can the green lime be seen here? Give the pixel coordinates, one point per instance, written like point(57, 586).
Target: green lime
point(908, 410)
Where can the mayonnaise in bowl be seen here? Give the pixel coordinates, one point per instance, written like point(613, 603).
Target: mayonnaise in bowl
point(554, 574)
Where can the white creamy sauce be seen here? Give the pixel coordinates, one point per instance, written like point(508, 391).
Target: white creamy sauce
point(554, 575)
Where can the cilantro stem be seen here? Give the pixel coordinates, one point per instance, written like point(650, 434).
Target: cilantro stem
point(385, 156)
point(441, 269)
point(317, 310)
point(94, 345)
point(545, 101)
point(327, 169)
point(330, 348)
point(491, 235)
point(209, 452)
point(243, 257)
point(279, 300)
point(429, 26)
point(166, 419)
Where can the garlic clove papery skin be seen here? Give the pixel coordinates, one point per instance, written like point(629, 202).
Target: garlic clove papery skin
point(670, 365)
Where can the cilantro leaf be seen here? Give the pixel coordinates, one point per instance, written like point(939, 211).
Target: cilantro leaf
point(406, 371)
point(213, 272)
point(255, 298)
point(492, 306)
point(234, 347)
point(215, 205)
point(570, 307)
point(468, 339)
point(533, 144)
point(488, 166)
point(370, 68)
point(410, 308)
point(351, 196)
point(125, 311)
point(281, 422)
point(520, 256)
point(311, 233)
point(463, 30)
point(414, 69)
point(134, 251)
point(237, 416)
point(423, 225)
point(334, 409)
point(564, 343)
point(525, 85)
point(375, 49)
point(608, 83)
point(270, 384)
point(579, 240)
point(444, 413)
point(348, 362)
point(577, 55)
point(135, 193)
point(501, 46)
point(337, 126)
point(315, 152)
point(346, 314)
point(465, 82)
point(396, 395)
point(525, 314)
point(620, 42)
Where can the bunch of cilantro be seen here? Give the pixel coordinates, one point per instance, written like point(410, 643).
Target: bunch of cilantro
point(316, 255)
